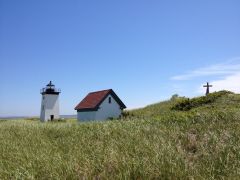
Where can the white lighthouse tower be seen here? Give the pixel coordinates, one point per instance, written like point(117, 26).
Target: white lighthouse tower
point(50, 103)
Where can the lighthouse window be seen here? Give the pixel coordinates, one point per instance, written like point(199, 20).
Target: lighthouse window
point(109, 100)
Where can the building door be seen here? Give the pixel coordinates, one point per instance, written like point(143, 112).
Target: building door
point(52, 117)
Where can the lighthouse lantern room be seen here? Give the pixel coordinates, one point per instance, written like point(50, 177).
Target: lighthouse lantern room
point(50, 103)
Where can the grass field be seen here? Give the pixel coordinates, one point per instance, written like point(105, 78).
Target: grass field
point(178, 139)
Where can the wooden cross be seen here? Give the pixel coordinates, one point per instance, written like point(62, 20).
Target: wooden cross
point(207, 86)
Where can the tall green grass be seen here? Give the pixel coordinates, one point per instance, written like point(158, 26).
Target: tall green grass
point(151, 143)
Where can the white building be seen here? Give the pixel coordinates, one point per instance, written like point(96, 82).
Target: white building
point(100, 105)
point(50, 103)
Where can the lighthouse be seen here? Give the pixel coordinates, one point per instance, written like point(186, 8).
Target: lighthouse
point(50, 103)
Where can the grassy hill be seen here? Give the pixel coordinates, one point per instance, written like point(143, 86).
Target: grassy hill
point(181, 138)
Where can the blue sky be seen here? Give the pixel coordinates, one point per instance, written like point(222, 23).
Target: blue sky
point(144, 50)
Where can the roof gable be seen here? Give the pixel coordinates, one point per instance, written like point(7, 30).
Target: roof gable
point(94, 99)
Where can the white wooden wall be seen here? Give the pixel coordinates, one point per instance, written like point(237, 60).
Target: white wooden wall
point(105, 111)
point(50, 106)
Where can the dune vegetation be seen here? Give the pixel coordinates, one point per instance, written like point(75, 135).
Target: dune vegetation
point(181, 138)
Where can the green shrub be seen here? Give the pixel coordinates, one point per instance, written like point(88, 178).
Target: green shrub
point(33, 119)
point(58, 120)
point(126, 114)
point(186, 104)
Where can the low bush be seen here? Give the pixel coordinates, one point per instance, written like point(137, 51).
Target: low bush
point(185, 104)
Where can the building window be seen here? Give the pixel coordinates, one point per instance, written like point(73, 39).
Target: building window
point(109, 100)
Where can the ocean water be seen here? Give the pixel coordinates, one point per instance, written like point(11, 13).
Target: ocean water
point(25, 117)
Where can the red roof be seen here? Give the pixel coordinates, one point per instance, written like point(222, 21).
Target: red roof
point(93, 100)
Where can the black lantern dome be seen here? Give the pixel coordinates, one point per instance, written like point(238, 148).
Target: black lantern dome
point(50, 89)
